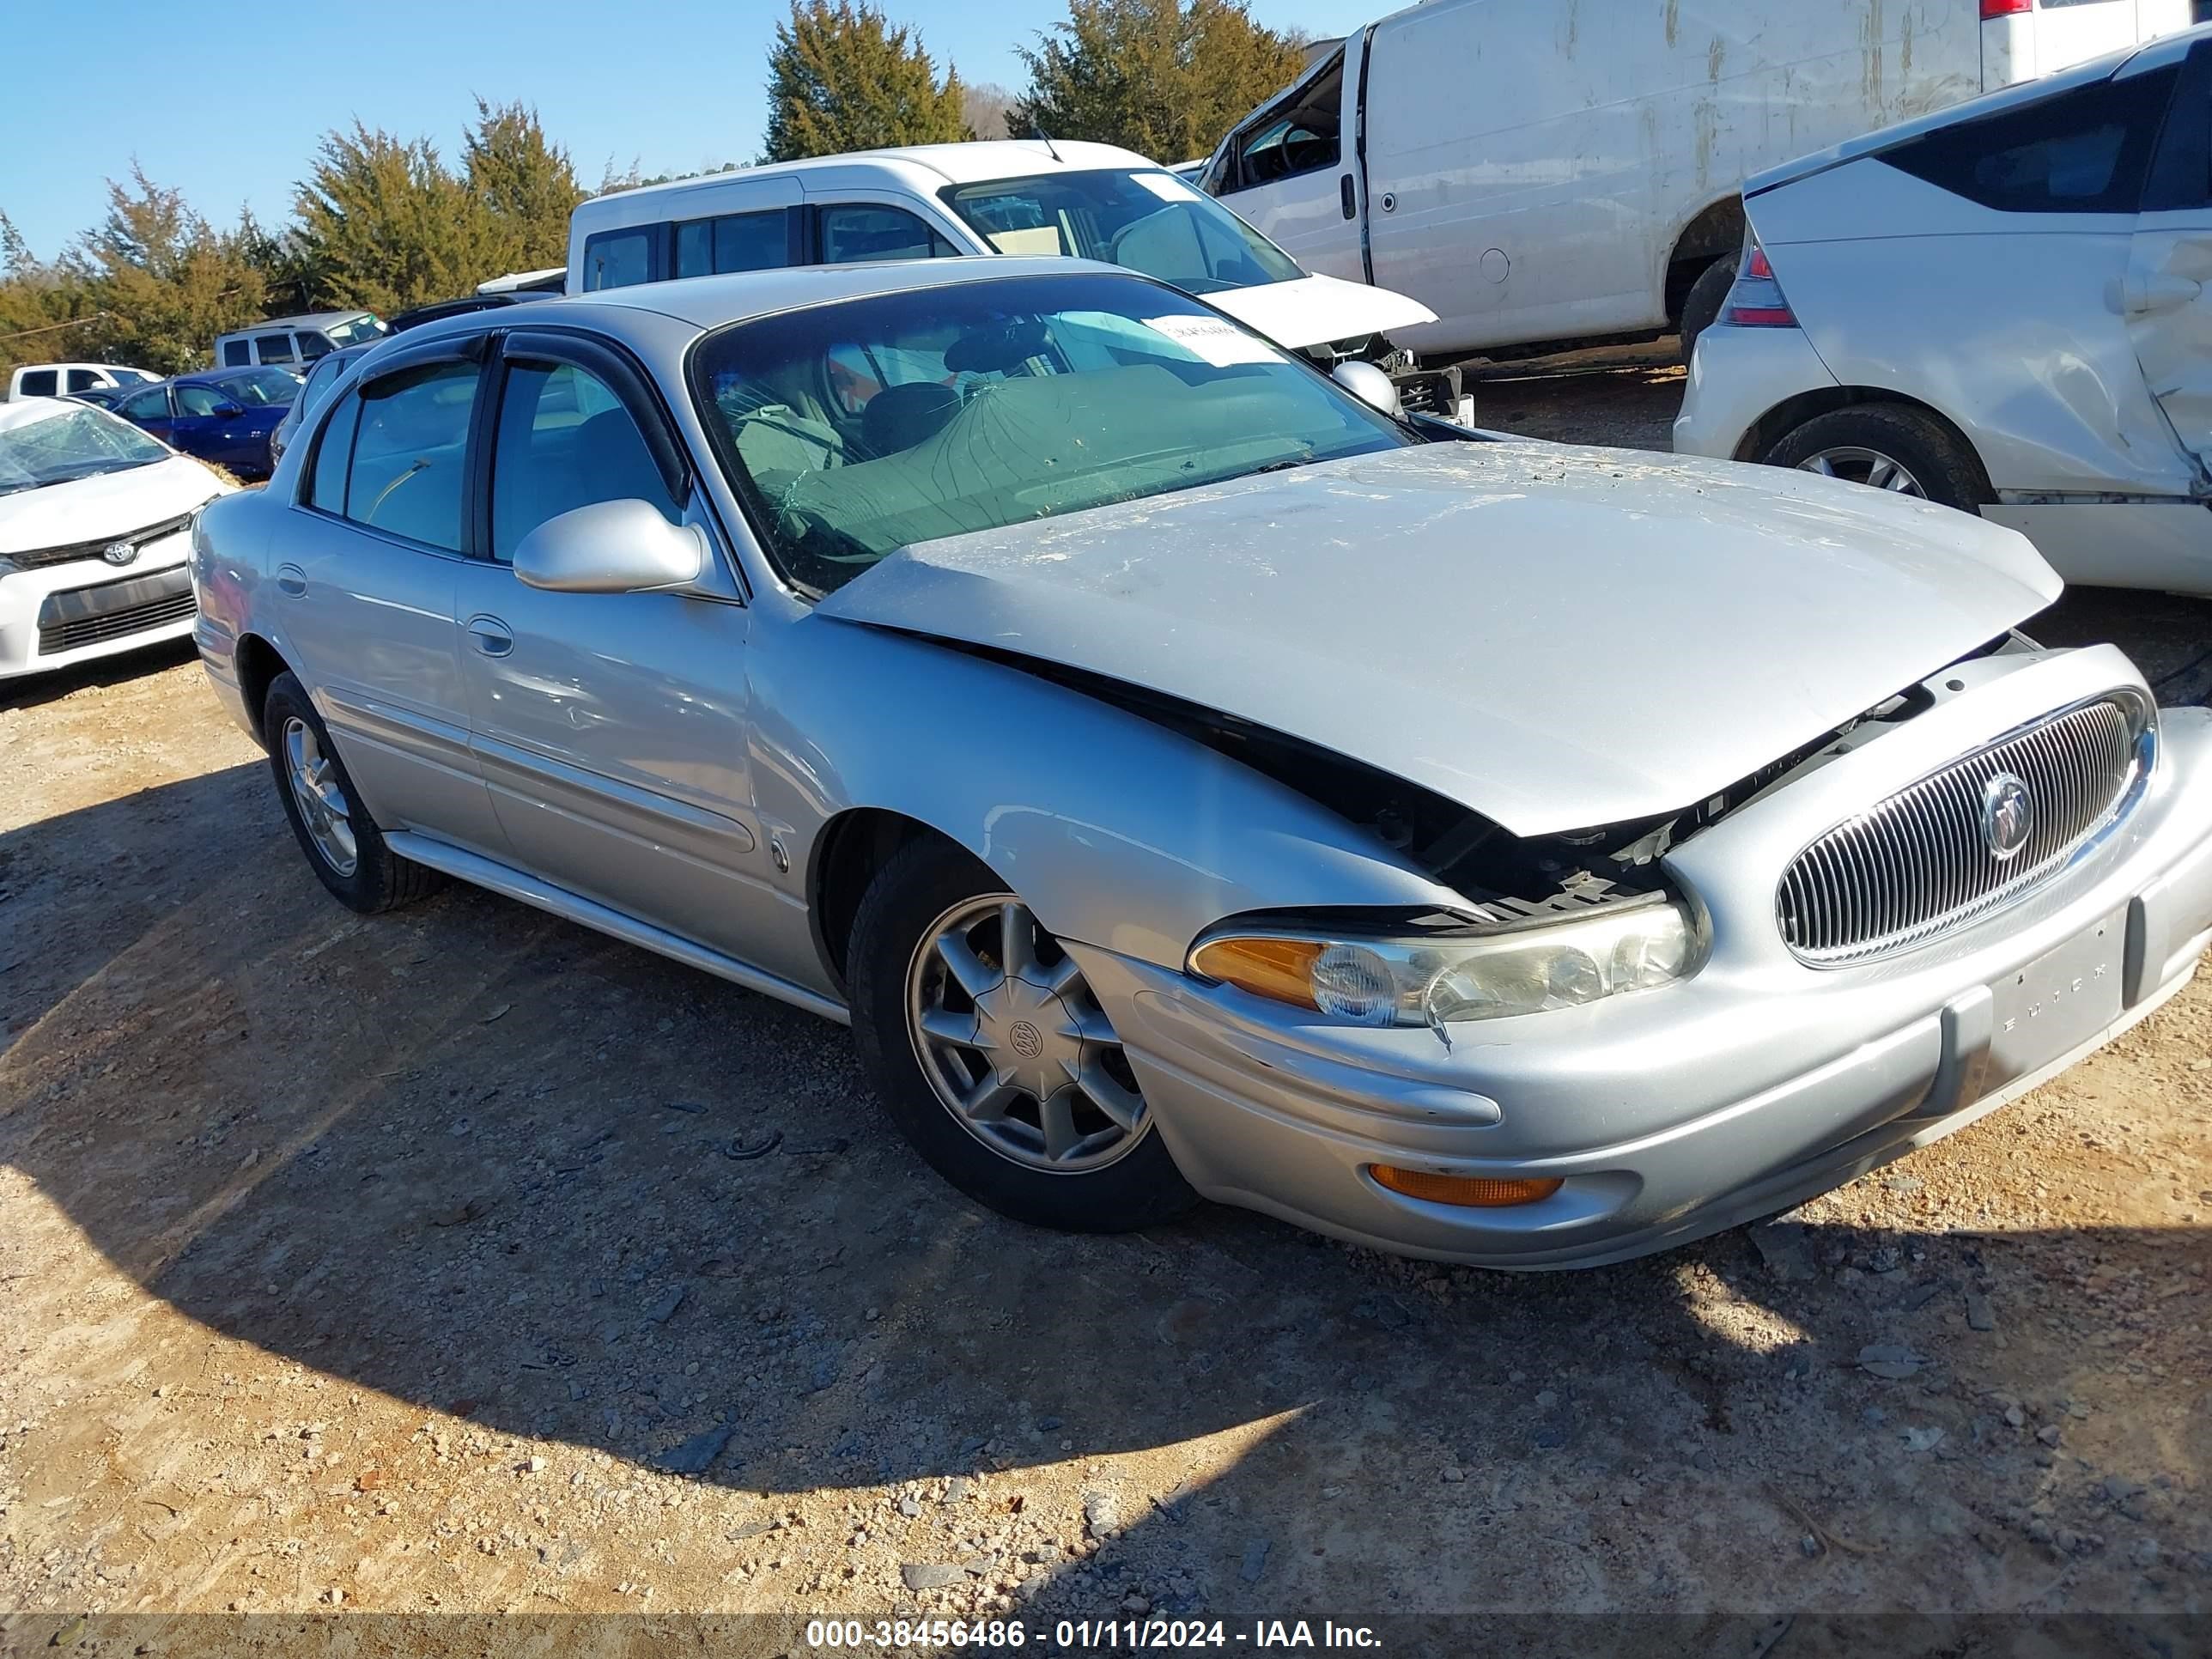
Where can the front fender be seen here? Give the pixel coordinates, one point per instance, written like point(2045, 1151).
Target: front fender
point(1115, 831)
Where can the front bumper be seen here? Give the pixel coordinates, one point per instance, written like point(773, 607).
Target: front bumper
point(59, 616)
point(1736, 376)
point(1674, 1113)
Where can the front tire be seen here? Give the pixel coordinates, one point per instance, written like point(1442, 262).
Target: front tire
point(992, 1058)
point(343, 845)
point(1888, 446)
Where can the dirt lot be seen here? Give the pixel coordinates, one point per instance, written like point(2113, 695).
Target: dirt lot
point(402, 1264)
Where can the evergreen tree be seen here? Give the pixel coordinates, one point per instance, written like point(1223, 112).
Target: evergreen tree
point(384, 224)
point(163, 282)
point(1167, 78)
point(525, 185)
point(841, 77)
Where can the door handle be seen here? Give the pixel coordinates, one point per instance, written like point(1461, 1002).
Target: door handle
point(291, 582)
point(2159, 290)
point(1343, 195)
point(490, 636)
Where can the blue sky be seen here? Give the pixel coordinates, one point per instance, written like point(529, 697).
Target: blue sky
point(226, 104)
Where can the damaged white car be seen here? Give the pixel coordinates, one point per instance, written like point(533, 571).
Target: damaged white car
point(96, 519)
point(1189, 779)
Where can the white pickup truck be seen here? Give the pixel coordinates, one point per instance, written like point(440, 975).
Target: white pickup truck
point(1546, 172)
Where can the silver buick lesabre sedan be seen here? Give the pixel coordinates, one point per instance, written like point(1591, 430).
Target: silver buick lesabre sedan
point(1190, 779)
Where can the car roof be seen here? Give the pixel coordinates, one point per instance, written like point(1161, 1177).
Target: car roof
point(2167, 48)
point(305, 320)
point(926, 165)
point(208, 376)
point(710, 302)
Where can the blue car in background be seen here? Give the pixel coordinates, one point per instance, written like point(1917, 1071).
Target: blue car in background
point(219, 415)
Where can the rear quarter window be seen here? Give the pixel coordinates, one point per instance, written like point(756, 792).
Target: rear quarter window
point(2084, 151)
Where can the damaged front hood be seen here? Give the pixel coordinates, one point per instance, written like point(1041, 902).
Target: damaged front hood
point(1319, 311)
point(1555, 637)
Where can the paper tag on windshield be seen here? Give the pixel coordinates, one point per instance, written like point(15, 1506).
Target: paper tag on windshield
point(1165, 186)
point(1214, 340)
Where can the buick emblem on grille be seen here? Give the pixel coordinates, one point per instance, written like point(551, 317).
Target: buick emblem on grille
point(118, 552)
point(2008, 815)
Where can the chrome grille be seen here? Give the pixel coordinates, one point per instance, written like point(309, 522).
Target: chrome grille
point(1917, 863)
point(33, 557)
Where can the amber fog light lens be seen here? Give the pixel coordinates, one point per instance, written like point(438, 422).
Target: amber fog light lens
point(1472, 1192)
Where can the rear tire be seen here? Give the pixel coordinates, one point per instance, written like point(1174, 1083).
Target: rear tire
point(1701, 307)
point(343, 845)
point(1844, 442)
point(1092, 1159)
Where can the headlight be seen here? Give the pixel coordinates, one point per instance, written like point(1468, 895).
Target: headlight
point(1411, 975)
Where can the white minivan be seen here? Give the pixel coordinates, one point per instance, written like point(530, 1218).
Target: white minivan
point(1003, 196)
point(1539, 173)
point(293, 343)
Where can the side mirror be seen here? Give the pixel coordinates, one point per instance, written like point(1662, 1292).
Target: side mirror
point(610, 547)
point(1369, 384)
point(229, 411)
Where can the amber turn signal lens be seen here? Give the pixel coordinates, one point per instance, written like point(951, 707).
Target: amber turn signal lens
point(1278, 967)
point(1474, 1191)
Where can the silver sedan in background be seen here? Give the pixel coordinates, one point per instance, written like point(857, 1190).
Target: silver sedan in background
point(1189, 779)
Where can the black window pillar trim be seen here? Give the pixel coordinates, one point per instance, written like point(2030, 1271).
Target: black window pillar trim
point(2180, 175)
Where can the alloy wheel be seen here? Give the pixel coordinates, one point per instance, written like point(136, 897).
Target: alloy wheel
point(1015, 1045)
point(323, 808)
point(1855, 464)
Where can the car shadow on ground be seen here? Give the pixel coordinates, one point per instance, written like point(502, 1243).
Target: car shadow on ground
point(32, 689)
point(497, 1166)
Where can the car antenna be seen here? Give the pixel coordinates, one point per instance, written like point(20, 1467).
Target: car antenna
point(1048, 144)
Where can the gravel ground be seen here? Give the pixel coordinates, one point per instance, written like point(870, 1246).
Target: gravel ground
point(451, 1262)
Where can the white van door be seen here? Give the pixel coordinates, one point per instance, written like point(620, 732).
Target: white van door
point(2166, 295)
point(1289, 173)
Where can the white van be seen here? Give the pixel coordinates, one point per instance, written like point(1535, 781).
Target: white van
point(63, 379)
point(293, 343)
point(1004, 195)
point(1549, 172)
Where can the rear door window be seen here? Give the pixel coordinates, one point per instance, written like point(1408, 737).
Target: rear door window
point(855, 232)
point(236, 354)
point(2084, 151)
point(274, 347)
point(409, 465)
point(39, 383)
point(152, 405)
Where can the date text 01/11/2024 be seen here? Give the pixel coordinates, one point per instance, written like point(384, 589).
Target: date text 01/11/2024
point(1077, 1635)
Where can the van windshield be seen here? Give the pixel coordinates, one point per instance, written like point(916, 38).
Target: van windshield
point(360, 332)
point(859, 426)
point(1150, 221)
